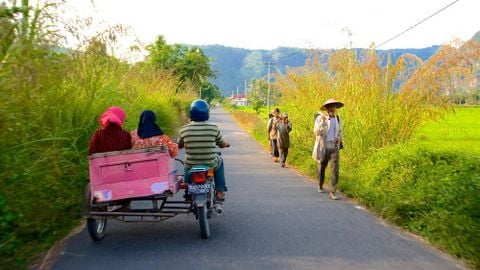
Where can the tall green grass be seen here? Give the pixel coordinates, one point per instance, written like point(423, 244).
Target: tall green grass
point(428, 185)
point(377, 113)
point(49, 106)
point(428, 191)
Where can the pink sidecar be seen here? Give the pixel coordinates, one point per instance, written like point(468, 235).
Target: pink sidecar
point(119, 178)
point(133, 173)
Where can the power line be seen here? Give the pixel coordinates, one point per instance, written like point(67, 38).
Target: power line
point(415, 25)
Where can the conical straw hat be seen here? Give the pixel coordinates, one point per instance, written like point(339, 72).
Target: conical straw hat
point(338, 104)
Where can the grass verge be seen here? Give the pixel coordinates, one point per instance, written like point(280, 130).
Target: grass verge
point(429, 185)
point(50, 104)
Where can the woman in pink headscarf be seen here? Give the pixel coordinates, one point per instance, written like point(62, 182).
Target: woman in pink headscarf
point(110, 136)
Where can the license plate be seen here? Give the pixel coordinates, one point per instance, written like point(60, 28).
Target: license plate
point(203, 188)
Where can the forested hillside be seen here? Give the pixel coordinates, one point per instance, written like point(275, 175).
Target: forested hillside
point(235, 65)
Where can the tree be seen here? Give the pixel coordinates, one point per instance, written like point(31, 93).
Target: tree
point(258, 95)
point(259, 92)
point(210, 92)
point(161, 54)
point(194, 66)
point(191, 65)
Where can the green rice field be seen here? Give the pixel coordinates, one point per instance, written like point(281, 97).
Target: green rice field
point(459, 130)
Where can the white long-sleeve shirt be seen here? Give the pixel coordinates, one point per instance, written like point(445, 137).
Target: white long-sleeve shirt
point(321, 130)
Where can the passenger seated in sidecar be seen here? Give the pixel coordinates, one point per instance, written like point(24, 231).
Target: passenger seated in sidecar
point(110, 136)
point(149, 134)
point(118, 172)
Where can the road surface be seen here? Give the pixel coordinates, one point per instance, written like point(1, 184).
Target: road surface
point(274, 219)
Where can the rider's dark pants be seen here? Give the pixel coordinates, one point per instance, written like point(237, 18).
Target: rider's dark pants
point(220, 182)
point(219, 177)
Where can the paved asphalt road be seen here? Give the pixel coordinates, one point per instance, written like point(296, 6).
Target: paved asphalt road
point(274, 219)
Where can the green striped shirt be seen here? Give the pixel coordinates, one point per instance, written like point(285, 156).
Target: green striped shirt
point(200, 140)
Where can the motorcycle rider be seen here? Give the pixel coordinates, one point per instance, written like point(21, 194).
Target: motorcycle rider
point(200, 139)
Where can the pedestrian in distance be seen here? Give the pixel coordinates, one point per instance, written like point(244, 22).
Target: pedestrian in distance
point(284, 127)
point(270, 119)
point(272, 133)
point(328, 142)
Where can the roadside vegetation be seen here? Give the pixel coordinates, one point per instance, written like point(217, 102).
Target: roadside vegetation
point(50, 100)
point(410, 156)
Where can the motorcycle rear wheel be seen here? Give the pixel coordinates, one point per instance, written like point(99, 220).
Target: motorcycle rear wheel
point(203, 222)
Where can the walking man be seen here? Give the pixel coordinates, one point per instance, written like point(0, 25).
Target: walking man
point(270, 148)
point(328, 142)
point(272, 133)
point(283, 137)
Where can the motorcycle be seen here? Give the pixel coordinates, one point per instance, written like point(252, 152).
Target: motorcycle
point(201, 190)
point(120, 180)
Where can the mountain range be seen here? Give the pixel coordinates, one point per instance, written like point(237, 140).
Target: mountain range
point(235, 66)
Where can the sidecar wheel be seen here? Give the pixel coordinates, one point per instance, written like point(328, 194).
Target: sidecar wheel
point(86, 208)
point(96, 228)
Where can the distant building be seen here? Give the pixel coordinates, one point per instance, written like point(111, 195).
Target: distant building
point(239, 100)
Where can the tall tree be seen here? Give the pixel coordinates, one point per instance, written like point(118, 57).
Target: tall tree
point(191, 65)
point(161, 54)
point(259, 91)
point(194, 66)
point(210, 92)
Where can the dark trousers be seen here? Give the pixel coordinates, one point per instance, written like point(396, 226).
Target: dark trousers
point(270, 148)
point(283, 154)
point(332, 155)
point(275, 148)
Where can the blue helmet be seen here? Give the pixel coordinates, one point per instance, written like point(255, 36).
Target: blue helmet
point(199, 111)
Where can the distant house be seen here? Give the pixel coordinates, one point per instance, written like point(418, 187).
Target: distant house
point(239, 100)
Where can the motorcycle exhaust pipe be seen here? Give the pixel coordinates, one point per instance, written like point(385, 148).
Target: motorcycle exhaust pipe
point(219, 210)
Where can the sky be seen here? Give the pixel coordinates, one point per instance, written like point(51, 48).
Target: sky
point(265, 24)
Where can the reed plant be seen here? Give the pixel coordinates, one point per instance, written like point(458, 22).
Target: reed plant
point(50, 100)
point(394, 161)
point(385, 102)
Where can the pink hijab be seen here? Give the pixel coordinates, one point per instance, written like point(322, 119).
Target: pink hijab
point(113, 115)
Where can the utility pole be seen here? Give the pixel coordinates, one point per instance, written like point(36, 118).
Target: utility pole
point(269, 64)
point(246, 98)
